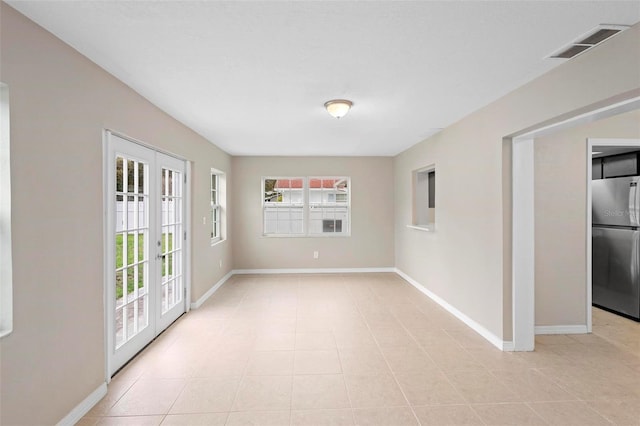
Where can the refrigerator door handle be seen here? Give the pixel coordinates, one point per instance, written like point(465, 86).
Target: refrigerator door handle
point(636, 200)
point(635, 259)
point(633, 204)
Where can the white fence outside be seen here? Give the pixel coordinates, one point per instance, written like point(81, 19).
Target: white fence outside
point(170, 214)
point(322, 220)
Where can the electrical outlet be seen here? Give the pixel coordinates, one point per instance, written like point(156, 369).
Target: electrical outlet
point(220, 263)
point(316, 254)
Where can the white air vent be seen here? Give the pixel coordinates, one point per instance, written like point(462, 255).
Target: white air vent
point(587, 41)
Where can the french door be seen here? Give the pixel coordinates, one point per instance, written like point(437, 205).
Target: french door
point(145, 279)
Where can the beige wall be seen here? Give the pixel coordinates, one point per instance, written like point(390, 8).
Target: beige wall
point(467, 261)
point(60, 104)
point(560, 217)
point(371, 240)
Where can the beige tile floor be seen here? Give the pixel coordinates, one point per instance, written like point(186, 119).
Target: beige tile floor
point(368, 350)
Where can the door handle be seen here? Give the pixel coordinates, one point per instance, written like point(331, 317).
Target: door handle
point(633, 204)
point(636, 204)
point(635, 259)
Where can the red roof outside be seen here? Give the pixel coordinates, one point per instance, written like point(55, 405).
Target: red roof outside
point(313, 183)
point(288, 183)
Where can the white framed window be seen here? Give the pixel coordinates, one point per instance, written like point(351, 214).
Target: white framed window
point(424, 198)
point(329, 205)
point(217, 203)
point(283, 205)
point(306, 206)
point(6, 279)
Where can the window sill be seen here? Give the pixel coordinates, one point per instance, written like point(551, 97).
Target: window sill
point(5, 333)
point(216, 241)
point(328, 235)
point(429, 228)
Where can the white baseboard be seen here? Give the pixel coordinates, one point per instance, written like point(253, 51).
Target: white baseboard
point(561, 329)
point(492, 338)
point(209, 293)
point(508, 346)
point(83, 408)
point(313, 271)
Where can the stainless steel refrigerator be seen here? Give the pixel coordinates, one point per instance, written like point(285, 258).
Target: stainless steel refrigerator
point(616, 245)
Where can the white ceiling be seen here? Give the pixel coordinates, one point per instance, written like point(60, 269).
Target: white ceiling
point(252, 77)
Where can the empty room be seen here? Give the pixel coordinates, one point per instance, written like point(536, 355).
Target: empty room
point(319, 213)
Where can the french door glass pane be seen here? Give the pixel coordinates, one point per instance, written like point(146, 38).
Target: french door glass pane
point(132, 248)
point(171, 240)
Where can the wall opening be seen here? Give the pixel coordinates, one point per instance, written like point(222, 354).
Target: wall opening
point(523, 218)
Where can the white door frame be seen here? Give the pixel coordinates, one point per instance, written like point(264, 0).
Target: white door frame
point(523, 219)
point(108, 328)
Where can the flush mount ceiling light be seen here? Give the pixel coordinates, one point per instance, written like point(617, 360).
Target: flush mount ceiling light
point(338, 108)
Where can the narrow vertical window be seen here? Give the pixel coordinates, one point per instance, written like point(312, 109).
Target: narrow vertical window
point(6, 282)
point(217, 181)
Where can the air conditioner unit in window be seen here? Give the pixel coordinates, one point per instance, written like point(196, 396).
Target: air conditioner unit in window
point(330, 225)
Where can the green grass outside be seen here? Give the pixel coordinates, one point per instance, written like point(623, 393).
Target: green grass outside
point(130, 260)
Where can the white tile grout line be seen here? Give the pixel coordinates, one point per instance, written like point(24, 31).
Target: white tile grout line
point(342, 373)
point(117, 399)
point(385, 358)
point(240, 382)
point(177, 397)
point(295, 333)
